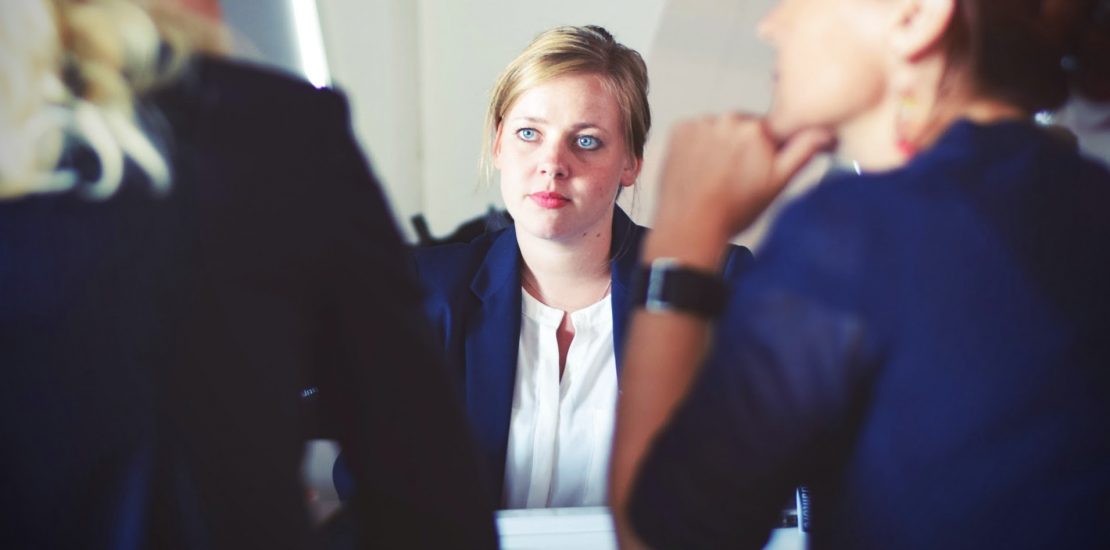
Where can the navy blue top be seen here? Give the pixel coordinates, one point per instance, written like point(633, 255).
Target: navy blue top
point(473, 299)
point(153, 350)
point(925, 349)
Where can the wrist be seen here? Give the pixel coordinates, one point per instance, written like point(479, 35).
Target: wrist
point(668, 285)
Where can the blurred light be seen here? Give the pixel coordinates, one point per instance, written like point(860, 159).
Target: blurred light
point(310, 42)
point(1044, 118)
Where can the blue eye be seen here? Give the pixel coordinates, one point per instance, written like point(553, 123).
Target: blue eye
point(527, 134)
point(588, 143)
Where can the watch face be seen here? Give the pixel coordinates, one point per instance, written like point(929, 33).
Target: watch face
point(657, 276)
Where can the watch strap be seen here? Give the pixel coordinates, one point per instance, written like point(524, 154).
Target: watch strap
point(666, 285)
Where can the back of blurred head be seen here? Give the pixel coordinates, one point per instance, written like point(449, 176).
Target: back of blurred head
point(73, 70)
point(1032, 53)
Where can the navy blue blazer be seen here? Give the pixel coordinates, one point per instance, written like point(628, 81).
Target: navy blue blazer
point(473, 300)
point(925, 348)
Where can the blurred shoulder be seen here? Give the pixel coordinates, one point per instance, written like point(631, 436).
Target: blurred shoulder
point(830, 230)
point(841, 199)
point(238, 91)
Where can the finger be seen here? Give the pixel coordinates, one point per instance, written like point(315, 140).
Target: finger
point(798, 151)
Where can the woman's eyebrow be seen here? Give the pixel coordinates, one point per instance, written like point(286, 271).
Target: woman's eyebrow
point(531, 119)
point(574, 128)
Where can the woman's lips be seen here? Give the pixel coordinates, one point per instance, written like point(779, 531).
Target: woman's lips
point(548, 199)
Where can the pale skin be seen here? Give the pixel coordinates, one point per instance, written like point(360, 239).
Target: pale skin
point(564, 137)
point(728, 168)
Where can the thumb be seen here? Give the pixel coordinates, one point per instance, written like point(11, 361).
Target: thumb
point(797, 151)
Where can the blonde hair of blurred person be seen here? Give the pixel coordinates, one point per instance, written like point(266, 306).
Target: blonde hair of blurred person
point(74, 70)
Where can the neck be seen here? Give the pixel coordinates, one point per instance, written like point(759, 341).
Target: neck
point(872, 139)
point(979, 111)
point(566, 274)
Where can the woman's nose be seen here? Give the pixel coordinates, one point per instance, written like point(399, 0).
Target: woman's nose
point(554, 163)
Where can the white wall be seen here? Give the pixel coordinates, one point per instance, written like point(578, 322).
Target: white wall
point(373, 52)
point(263, 35)
point(707, 58)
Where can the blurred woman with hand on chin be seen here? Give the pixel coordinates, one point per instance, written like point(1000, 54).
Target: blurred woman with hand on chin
point(920, 343)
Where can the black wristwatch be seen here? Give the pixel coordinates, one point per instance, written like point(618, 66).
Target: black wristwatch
point(665, 285)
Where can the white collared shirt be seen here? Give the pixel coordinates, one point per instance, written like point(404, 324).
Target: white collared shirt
point(561, 430)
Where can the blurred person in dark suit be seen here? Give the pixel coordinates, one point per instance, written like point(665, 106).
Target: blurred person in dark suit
point(921, 343)
point(185, 244)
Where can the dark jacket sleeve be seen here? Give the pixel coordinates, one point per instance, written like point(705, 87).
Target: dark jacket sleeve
point(398, 418)
point(769, 400)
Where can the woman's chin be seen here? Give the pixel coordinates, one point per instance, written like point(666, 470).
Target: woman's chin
point(541, 230)
point(783, 126)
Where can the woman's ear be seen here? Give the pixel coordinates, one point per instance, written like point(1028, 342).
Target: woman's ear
point(631, 170)
point(920, 26)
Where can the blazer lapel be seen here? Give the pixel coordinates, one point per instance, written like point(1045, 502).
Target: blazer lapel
point(492, 340)
point(493, 334)
point(625, 251)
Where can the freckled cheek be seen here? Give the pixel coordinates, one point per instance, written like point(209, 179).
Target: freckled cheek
point(515, 173)
point(513, 186)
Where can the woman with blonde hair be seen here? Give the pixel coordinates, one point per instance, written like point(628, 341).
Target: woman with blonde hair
point(532, 316)
point(185, 244)
point(922, 344)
